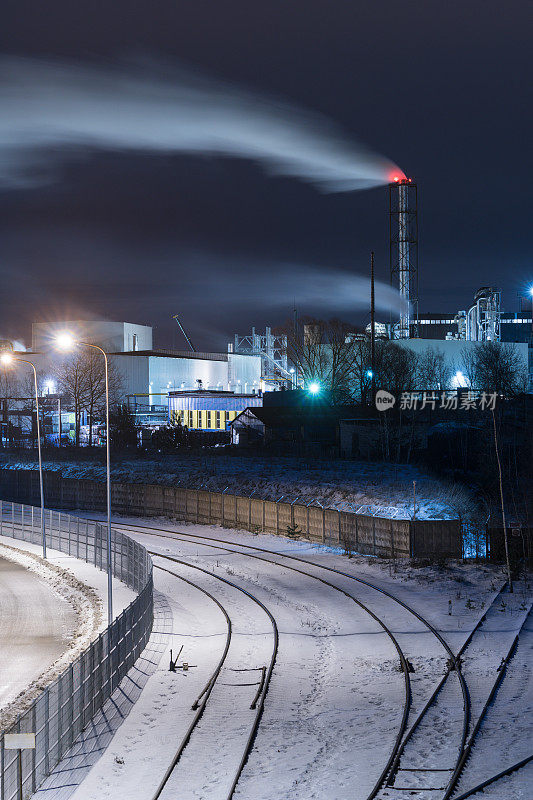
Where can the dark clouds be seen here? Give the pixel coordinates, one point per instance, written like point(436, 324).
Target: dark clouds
point(441, 89)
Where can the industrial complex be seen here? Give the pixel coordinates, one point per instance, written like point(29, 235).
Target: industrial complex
point(206, 391)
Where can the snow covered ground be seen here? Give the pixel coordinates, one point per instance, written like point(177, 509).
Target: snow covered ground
point(36, 626)
point(336, 699)
point(49, 612)
point(347, 485)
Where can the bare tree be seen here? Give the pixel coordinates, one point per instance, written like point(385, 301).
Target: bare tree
point(11, 393)
point(396, 367)
point(499, 368)
point(323, 351)
point(469, 365)
point(82, 379)
point(433, 373)
point(94, 398)
point(494, 367)
point(361, 374)
point(72, 381)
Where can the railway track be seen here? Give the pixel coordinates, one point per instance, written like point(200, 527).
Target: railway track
point(401, 655)
point(202, 700)
point(494, 778)
point(491, 698)
point(387, 777)
point(431, 730)
point(263, 554)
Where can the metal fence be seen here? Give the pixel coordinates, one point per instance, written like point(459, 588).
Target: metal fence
point(367, 533)
point(62, 710)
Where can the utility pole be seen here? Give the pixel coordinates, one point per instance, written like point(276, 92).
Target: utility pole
point(505, 539)
point(372, 332)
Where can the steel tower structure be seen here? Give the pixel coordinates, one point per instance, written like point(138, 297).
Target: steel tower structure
point(403, 222)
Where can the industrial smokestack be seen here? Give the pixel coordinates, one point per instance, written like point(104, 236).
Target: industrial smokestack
point(404, 253)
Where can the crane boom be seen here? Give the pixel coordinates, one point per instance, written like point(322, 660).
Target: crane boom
point(182, 329)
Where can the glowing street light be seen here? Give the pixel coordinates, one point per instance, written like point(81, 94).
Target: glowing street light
point(65, 341)
point(7, 359)
point(314, 388)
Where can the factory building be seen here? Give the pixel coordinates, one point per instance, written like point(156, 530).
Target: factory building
point(209, 410)
point(113, 337)
point(148, 375)
point(484, 321)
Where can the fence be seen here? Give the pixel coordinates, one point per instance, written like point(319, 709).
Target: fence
point(364, 533)
point(59, 714)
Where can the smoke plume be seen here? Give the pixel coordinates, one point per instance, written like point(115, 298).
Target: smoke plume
point(52, 110)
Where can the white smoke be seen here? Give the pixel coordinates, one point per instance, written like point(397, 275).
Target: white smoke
point(51, 108)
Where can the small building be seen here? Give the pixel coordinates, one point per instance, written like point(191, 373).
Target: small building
point(312, 430)
point(207, 409)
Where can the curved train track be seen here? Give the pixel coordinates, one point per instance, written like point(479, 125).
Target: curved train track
point(215, 542)
point(203, 698)
point(401, 655)
point(264, 554)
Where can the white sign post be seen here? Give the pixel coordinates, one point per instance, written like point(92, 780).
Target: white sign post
point(20, 742)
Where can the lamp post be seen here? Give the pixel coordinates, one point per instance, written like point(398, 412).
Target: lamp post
point(66, 342)
point(8, 358)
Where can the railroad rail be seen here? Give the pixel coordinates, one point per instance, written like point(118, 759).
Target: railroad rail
point(501, 672)
point(217, 543)
point(259, 703)
point(503, 774)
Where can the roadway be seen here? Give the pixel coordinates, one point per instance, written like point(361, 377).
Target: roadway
point(35, 627)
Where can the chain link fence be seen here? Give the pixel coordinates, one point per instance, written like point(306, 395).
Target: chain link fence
point(62, 710)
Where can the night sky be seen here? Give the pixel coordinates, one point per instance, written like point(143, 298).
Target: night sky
point(442, 89)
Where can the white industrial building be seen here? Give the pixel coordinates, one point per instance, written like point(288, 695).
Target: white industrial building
point(147, 374)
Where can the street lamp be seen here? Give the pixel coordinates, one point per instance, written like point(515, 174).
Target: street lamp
point(7, 359)
point(531, 293)
point(314, 388)
point(65, 341)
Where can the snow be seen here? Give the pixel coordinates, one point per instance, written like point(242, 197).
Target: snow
point(84, 589)
point(36, 626)
point(336, 698)
point(346, 485)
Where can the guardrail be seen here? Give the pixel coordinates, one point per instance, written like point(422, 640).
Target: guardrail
point(62, 710)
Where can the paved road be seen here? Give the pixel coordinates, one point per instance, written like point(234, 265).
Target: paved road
point(35, 626)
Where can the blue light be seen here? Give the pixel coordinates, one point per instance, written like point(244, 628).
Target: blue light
point(369, 373)
point(314, 388)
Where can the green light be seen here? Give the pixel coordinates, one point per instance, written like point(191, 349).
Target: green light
point(314, 388)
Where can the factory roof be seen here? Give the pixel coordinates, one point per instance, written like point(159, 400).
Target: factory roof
point(161, 353)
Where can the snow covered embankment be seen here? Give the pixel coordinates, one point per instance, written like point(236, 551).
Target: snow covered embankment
point(346, 485)
point(87, 607)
